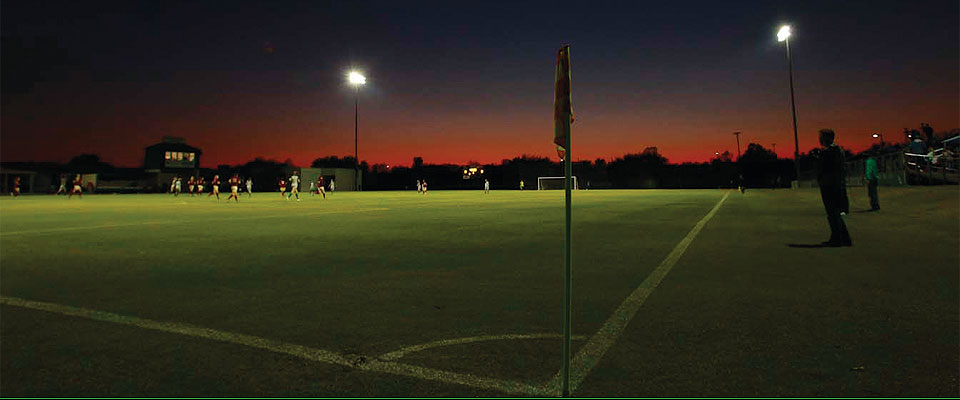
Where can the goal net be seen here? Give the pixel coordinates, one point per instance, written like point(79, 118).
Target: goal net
point(554, 183)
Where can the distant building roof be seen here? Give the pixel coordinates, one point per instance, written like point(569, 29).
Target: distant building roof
point(167, 146)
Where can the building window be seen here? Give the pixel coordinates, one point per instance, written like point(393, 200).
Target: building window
point(190, 157)
point(166, 156)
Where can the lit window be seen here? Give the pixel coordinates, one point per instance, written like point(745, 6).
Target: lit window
point(190, 157)
point(166, 155)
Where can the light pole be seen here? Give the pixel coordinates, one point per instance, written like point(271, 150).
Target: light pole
point(356, 79)
point(879, 135)
point(737, 134)
point(784, 36)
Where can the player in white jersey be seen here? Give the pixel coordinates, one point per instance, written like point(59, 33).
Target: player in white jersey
point(249, 187)
point(486, 186)
point(177, 186)
point(63, 185)
point(294, 185)
point(332, 185)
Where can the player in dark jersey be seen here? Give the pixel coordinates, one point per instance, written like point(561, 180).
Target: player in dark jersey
point(234, 188)
point(77, 187)
point(320, 186)
point(16, 187)
point(283, 187)
point(215, 187)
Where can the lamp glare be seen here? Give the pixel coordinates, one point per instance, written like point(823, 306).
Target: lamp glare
point(784, 33)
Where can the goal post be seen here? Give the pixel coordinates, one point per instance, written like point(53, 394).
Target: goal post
point(554, 183)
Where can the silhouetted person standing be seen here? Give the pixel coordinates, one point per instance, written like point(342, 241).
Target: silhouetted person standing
point(830, 179)
point(928, 132)
point(872, 182)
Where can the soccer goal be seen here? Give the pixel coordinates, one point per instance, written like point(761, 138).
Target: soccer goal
point(554, 183)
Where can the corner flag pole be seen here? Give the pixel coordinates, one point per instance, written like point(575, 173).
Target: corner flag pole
point(563, 117)
point(568, 271)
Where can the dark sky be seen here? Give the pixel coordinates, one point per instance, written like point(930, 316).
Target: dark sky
point(465, 81)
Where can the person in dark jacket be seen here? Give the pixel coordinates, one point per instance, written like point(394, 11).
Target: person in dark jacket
point(872, 182)
point(832, 189)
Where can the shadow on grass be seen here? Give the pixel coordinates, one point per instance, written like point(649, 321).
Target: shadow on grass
point(805, 246)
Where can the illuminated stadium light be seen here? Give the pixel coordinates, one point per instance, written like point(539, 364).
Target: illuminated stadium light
point(356, 78)
point(784, 33)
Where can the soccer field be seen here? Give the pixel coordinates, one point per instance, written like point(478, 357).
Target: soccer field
point(676, 293)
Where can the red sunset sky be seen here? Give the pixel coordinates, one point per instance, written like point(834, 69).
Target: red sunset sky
point(469, 88)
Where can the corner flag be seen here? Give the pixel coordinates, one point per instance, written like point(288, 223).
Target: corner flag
point(562, 107)
point(562, 118)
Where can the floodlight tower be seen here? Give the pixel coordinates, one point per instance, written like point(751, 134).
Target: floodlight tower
point(879, 135)
point(784, 36)
point(737, 134)
point(357, 80)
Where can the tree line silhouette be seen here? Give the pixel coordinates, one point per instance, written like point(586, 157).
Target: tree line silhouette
point(757, 167)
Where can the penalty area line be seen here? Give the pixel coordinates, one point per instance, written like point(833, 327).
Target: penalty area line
point(276, 346)
point(591, 353)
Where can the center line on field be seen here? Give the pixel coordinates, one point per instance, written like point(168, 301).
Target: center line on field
point(175, 222)
point(276, 346)
point(592, 352)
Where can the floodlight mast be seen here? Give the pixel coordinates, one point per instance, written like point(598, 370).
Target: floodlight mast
point(880, 136)
point(357, 80)
point(783, 35)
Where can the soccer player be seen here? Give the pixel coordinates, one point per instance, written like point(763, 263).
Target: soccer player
point(16, 187)
point(249, 187)
point(320, 186)
point(176, 186)
point(191, 184)
point(215, 187)
point(173, 184)
point(234, 188)
point(313, 189)
point(521, 184)
point(419, 186)
point(332, 185)
point(830, 177)
point(424, 187)
point(200, 183)
point(294, 185)
point(486, 186)
point(77, 187)
point(283, 187)
point(63, 185)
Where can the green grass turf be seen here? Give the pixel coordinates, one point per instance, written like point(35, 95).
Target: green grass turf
point(369, 273)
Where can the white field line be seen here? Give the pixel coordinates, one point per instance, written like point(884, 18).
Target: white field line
point(175, 222)
point(582, 364)
point(592, 352)
point(304, 352)
point(394, 355)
